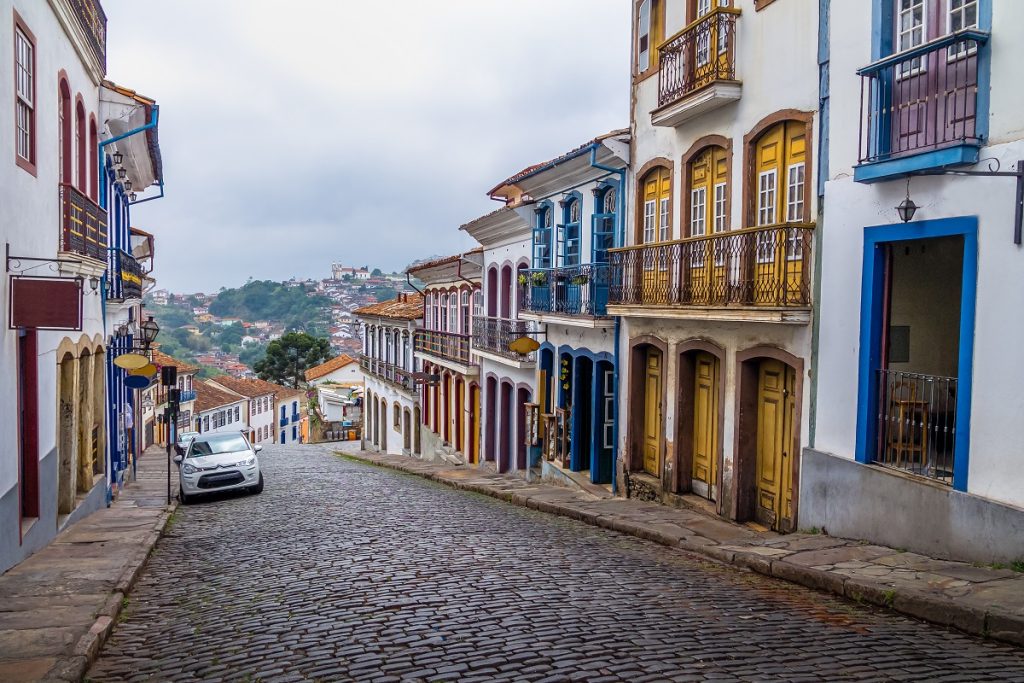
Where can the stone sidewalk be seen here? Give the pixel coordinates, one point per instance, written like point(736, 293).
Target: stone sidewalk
point(981, 601)
point(59, 605)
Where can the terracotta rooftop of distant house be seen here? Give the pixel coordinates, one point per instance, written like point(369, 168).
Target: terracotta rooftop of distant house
point(404, 307)
point(330, 366)
point(441, 261)
point(285, 393)
point(209, 397)
point(162, 360)
point(250, 388)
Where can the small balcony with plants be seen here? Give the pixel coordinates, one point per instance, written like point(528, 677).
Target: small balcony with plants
point(573, 295)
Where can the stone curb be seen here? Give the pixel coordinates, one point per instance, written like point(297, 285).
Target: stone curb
point(73, 667)
point(937, 609)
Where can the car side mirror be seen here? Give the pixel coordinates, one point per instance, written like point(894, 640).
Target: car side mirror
point(178, 459)
point(257, 448)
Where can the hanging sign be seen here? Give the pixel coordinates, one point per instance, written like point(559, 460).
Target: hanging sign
point(524, 346)
point(148, 370)
point(131, 361)
point(46, 303)
point(136, 381)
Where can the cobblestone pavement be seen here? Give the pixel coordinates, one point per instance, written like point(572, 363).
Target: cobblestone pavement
point(341, 571)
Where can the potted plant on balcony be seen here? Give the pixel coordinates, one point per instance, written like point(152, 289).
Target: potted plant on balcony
point(538, 279)
point(580, 279)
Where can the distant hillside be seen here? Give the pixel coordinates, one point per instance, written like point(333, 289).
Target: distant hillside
point(266, 300)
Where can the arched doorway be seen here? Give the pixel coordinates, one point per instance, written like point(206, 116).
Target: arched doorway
point(474, 424)
point(490, 437)
point(446, 407)
point(375, 422)
point(67, 429)
point(459, 410)
point(603, 459)
point(417, 420)
point(699, 426)
point(768, 438)
point(407, 431)
point(99, 402)
point(84, 464)
point(647, 405)
point(505, 428)
point(383, 424)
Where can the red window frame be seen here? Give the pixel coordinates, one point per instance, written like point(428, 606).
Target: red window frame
point(28, 165)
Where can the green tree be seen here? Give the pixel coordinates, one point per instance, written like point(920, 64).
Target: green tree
point(385, 294)
point(288, 358)
point(376, 273)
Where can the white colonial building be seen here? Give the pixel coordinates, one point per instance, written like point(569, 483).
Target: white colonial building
point(219, 411)
point(260, 395)
point(507, 370)
point(919, 422)
point(391, 399)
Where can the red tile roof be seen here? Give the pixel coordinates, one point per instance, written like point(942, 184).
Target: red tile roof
point(161, 359)
point(209, 397)
point(405, 307)
point(250, 388)
point(330, 366)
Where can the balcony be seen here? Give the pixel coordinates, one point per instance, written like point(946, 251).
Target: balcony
point(295, 418)
point(390, 373)
point(445, 346)
point(755, 275)
point(83, 225)
point(187, 395)
point(697, 69)
point(919, 108)
point(283, 421)
point(492, 337)
point(574, 295)
point(125, 277)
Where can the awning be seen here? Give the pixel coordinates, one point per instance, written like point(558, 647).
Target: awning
point(122, 111)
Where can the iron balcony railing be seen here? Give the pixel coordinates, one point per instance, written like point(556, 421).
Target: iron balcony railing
point(93, 21)
point(125, 276)
point(447, 345)
point(702, 53)
point(921, 99)
point(917, 423)
point(283, 421)
point(187, 395)
point(388, 372)
point(494, 335)
point(295, 418)
point(83, 224)
point(753, 267)
point(572, 291)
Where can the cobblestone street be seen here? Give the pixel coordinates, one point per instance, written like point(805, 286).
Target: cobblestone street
point(342, 571)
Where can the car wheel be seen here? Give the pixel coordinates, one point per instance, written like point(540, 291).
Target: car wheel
point(183, 497)
point(258, 488)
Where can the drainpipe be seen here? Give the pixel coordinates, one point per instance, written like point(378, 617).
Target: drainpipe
point(458, 273)
point(408, 279)
point(154, 120)
point(620, 241)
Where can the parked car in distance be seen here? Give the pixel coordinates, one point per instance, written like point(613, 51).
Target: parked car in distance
point(183, 440)
point(218, 462)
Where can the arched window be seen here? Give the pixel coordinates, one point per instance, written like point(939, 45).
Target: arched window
point(453, 312)
point(81, 178)
point(603, 230)
point(542, 237)
point(650, 32)
point(779, 186)
point(444, 313)
point(709, 192)
point(64, 114)
point(656, 203)
point(464, 312)
point(94, 141)
point(569, 233)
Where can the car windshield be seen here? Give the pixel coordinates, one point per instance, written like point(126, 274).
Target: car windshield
point(226, 443)
point(187, 436)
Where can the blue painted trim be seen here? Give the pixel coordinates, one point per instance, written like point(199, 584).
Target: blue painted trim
point(897, 167)
point(872, 289)
point(984, 90)
point(538, 226)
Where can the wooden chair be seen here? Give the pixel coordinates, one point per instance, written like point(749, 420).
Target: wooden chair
point(910, 415)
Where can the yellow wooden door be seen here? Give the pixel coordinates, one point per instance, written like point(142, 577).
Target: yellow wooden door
point(656, 227)
point(780, 196)
point(775, 408)
point(474, 430)
point(704, 260)
point(705, 421)
point(652, 413)
point(460, 415)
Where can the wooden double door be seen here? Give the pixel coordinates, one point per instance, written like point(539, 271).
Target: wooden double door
point(776, 408)
point(705, 425)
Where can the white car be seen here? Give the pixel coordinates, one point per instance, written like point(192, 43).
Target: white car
point(219, 462)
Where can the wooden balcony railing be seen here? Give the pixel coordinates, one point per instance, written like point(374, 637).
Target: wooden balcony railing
point(447, 345)
point(388, 372)
point(754, 267)
point(572, 291)
point(125, 276)
point(921, 99)
point(494, 335)
point(83, 224)
point(700, 54)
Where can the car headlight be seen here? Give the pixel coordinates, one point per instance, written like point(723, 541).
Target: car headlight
point(249, 462)
point(188, 469)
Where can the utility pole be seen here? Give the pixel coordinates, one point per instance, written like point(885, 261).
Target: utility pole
point(169, 379)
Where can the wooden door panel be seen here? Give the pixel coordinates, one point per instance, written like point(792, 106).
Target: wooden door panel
point(705, 425)
point(652, 413)
point(770, 428)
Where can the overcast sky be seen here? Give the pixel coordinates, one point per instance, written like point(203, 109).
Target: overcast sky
point(295, 133)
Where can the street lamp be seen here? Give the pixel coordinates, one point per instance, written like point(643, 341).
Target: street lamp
point(150, 329)
point(122, 173)
point(907, 207)
point(117, 158)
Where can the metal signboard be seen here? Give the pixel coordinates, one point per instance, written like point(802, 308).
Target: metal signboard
point(42, 303)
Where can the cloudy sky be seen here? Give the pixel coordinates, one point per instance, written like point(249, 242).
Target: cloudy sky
point(300, 132)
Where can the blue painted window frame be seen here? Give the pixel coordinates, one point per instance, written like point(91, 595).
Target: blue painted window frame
point(542, 235)
point(569, 250)
point(601, 240)
point(872, 291)
point(883, 22)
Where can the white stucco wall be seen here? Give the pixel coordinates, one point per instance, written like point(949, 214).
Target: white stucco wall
point(30, 216)
point(997, 412)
